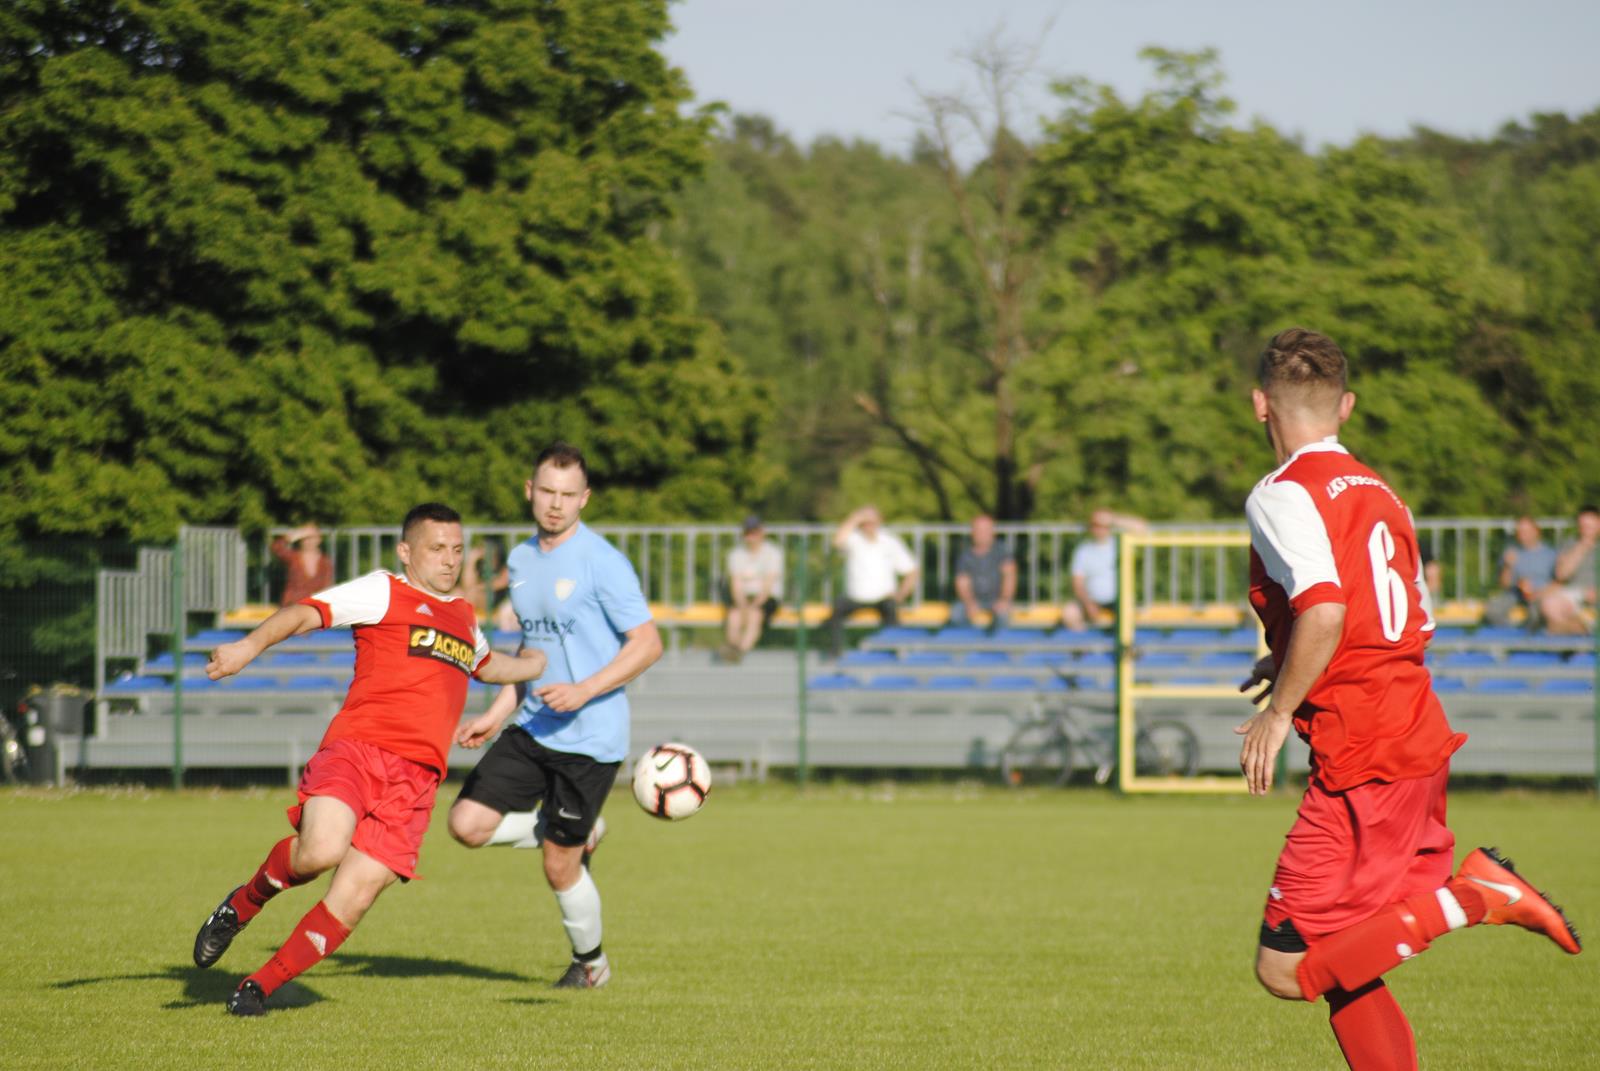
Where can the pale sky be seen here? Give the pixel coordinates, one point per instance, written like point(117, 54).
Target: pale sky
point(1326, 71)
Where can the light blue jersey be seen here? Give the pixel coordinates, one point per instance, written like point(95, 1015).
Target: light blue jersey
point(574, 604)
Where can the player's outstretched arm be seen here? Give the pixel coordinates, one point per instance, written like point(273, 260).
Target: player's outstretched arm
point(475, 732)
point(230, 658)
point(1313, 639)
point(529, 665)
point(640, 651)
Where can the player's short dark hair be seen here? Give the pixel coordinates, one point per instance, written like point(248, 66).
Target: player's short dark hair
point(1591, 508)
point(1299, 358)
point(562, 455)
point(428, 511)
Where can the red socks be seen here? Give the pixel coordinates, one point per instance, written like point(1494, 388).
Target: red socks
point(1372, 1030)
point(315, 938)
point(1354, 957)
point(271, 878)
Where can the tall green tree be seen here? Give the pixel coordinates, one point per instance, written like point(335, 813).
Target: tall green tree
point(264, 260)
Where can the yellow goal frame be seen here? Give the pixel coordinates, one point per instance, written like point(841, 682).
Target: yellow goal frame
point(1129, 692)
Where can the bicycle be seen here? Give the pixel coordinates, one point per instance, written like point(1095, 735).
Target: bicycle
point(1049, 746)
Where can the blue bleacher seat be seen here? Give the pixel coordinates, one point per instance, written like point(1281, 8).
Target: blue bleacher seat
point(1162, 659)
point(162, 663)
point(504, 638)
point(288, 659)
point(314, 683)
point(1448, 684)
point(1155, 636)
point(1245, 634)
point(1044, 658)
point(139, 684)
point(1230, 661)
point(927, 658)
point(1014, 636)
point(213, 637)
point(1013, 682)
point(833, 682)
point(986, 658)
point(867, 658)
point(1567, 686)
point(899, 634)
point(951, 682)
point(1095, 658)
point(1533, 658)
point(1190, 679)
point(1080, 637)
point(960, 635)
point(893, 682)
point(1461, 659)
point(1581, 659)
point(339, 659)
point(1499, 634)
point(1501, 685)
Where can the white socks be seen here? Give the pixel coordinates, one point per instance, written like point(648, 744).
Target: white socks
point(520, 829)
point(580, 914)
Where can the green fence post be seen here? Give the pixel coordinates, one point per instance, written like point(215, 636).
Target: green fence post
point(800, 650)
point(177, 663)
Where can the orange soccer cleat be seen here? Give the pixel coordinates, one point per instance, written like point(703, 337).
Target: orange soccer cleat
point(1512, 901)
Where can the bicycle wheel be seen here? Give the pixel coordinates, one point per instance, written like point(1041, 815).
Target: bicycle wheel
point(1166, 749)
point(1038, 753)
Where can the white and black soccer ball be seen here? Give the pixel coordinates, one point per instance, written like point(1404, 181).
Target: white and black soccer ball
point(671, 781)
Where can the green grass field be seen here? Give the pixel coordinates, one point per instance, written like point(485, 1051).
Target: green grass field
point(882, 927)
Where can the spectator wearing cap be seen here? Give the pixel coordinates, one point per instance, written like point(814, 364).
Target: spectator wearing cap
point(755, 581)
point(986, 578)
point(306, 569)
point(879, 572)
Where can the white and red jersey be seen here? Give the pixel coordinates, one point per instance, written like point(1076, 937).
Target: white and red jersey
point(414, 653)
point(1325, 528)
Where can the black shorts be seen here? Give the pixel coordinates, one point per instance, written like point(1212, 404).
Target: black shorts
point(517, 772)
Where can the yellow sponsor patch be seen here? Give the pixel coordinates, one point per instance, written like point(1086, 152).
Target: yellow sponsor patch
point(431, 643)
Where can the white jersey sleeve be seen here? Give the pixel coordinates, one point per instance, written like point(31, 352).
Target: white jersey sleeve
point(1290, 536)
point(480, 648)
point(362, 601)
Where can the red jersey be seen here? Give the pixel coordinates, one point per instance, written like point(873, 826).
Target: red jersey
point(414, 653)
point(1325, 528)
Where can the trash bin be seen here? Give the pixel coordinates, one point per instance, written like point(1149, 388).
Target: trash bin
point(48, 714)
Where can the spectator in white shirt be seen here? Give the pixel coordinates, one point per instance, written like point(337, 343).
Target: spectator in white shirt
point(755, 583)
point(1094, 571)
point(879, 571)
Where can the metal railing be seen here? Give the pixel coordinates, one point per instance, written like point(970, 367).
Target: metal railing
point(683, 564)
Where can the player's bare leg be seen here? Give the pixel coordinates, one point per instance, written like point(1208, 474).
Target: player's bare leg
point(579, 900)
point(326, 826)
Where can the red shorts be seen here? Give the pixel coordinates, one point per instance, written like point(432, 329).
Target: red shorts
point(392, 798)
point(1351, 853)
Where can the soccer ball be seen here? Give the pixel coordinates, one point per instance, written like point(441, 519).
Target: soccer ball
point(671, 781)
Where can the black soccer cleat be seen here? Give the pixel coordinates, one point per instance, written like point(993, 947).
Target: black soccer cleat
point(582, 975)
point(217, 932)
point(247, 1000)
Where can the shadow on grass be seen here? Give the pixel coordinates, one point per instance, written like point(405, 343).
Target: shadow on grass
point(202, 987)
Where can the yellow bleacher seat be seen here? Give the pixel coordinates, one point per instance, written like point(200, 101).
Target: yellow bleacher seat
point(249, 615)
point(928, 615)
point(1459, 612)
point(1041, 615)
point(1185, 615)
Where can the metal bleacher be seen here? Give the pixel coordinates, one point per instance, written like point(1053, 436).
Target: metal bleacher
point(914, 695)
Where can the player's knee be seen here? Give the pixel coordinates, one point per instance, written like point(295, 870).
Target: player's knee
point(315, 856)
point(562, 868)
point(466, 831)
point(1278, 978)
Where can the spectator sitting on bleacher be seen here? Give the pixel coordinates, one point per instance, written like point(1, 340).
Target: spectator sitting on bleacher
point(306, 569)
point(879, 571)
point(755, 581)
point(1562, 603)
point(1094, 571)
point(986, 578)
point(1526, 569)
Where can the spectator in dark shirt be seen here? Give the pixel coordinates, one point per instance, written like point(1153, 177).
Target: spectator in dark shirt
point(986, 579)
